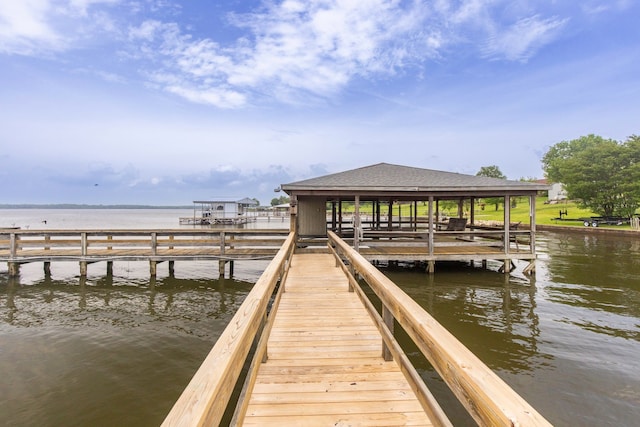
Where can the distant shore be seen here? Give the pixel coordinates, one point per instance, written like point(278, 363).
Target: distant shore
point(83, 206)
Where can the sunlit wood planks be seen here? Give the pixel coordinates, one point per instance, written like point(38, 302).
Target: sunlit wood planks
point(325, 364)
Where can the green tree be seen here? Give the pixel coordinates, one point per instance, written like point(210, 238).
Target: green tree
point(492, 171)
point(279, 200)
point(601, 174)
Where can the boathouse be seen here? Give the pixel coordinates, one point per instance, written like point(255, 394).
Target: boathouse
point(400, 213)
point(216, 212)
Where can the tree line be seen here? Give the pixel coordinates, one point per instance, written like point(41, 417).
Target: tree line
point(602, 175)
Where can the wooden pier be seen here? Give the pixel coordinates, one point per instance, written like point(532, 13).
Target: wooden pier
point(155, 246)
point(318, 352)
point(228, 245)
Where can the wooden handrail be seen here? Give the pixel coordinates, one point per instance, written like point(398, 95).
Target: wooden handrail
point(204, 400)
point(19, 243)
point(487, 398)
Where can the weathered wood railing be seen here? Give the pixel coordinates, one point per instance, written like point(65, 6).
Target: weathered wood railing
point(87, 246)
point(487, 398)
point(206, 397)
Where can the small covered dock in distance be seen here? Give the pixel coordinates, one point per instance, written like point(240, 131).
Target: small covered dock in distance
point(406, 214)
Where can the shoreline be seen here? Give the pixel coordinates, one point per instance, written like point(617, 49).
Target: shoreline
point(583, 229)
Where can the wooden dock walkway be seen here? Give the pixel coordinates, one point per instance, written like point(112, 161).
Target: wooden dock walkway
point(308, 347)
point(325, 364)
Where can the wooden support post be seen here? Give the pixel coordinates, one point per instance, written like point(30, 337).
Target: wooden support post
point(432, 226)
point(47, 268)
point(340, 217)
point(84, 245)
point(484, 264)
point(221, 267)
point(334, 215)
point(263, 323)
point(109, 268)
point(388, 320)
point(507, 221)
point(13, 245)
point(154, 244)
point(431, 266)
point(14, 269)
point(357, 227)
point(506, 266)
point(153, 268)
point(83, 268)
point(532, 225)
point(171, 268)
point(230, 268)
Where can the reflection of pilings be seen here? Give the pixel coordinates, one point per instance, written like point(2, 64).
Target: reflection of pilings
point(12, 284)
point(83, 293)
point(152, 296)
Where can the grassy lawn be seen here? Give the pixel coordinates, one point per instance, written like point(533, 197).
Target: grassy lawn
point(545, 213)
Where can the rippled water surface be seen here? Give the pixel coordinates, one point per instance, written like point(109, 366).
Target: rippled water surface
point(119, 350)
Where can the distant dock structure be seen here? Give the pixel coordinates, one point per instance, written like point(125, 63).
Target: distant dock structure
point(222, 212)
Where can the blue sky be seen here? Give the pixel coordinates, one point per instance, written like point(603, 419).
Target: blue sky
point(164, 102)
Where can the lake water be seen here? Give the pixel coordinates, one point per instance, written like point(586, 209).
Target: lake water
point(119, 350)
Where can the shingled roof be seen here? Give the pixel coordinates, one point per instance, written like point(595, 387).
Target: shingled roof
point(386, 177)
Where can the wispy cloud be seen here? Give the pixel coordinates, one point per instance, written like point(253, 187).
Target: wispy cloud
point(521, 40)
point(293, 50)
point(25, 28)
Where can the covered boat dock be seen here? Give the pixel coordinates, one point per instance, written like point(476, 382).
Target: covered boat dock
point(377, 208)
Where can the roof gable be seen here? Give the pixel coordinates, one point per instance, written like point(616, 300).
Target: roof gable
point(389, 177)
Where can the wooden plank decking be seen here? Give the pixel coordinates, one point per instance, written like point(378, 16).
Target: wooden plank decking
point(325, 364)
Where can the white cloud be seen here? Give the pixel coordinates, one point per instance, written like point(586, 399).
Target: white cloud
point(521, 40)
point(293, 51)
point(213, 96)
point(25, 28)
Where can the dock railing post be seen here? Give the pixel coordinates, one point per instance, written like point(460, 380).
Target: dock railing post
point(14, 267)
point(222, 262)
point(387, 317)
point(83, 252)
point(154, 243)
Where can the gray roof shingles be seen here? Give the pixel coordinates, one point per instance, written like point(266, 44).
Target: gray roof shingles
point(383, 176)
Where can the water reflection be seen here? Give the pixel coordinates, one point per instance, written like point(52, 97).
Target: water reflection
point(119, 349)
point(69, 346)
point(596, 274)
point(180, 303)
point(493, 314)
